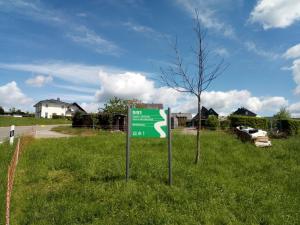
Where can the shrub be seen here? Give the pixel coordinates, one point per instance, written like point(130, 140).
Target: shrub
point(255, 122)
point(291, 127)
point(213, 122)
point(55, 116)
point(82, 120)
point(104, 120)
point(225, 124)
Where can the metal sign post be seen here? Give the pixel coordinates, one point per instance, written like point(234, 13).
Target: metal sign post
point(149, 123)
point(128, 141)
point(12, 135)
point(169, 147)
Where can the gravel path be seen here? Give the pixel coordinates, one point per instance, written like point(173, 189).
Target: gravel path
point(38, 131)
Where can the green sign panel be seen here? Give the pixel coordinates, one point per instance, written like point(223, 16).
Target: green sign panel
point(149, 123)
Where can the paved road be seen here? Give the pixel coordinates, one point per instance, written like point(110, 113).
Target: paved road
point(39, 131)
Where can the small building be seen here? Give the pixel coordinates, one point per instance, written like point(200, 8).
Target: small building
point(50, 107)
point(243, 112)
point(205, 113)
point(180, 119)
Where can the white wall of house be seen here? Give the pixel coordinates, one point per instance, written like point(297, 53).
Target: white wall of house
point(47, 110)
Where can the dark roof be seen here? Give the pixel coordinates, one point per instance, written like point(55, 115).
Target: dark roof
point(211, 111)
point(205, 113)
point(78, 106)
point(55, 101)
point(243, 112)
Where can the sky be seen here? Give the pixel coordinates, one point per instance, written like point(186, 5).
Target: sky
point(89, 51)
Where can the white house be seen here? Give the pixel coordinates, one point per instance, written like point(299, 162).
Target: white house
point(48, 108)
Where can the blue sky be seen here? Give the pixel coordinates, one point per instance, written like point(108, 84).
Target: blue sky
point(90, 51)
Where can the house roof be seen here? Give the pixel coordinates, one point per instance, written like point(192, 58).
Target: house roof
point(78, 106)
point(205, 113)
point(244, 112)
point(54, 101)
point(187, 115)
point(59, 102)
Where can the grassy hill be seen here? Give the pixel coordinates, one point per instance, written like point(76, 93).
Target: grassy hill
point(80, 180)
point(28, 121)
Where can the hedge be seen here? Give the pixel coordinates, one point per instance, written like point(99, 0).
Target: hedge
point(213, 122)
point(255, 122)
point(82, 120)
point(225, 124)
point(291, 127)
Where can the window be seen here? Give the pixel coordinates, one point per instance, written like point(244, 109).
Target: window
point(62, 106)
point(46, 105)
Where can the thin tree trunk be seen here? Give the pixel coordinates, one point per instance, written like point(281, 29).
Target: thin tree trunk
point(198, 132)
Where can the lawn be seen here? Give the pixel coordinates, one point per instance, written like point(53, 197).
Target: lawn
point(80, 180)
point(78, 131)
point(6, 152)
point(28, 121)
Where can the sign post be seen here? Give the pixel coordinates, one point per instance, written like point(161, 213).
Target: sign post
point(12, 134)
point(169, 147)
point(128, 141)
point(149, 123)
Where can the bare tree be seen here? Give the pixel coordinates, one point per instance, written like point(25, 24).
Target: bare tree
point(178, 77)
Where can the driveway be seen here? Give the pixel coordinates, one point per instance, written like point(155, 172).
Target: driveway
point(38, 131)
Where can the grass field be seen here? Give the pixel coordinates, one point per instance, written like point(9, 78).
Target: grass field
point(27, 121)
point(80, 180)
point(6, 152)
point(78, 131)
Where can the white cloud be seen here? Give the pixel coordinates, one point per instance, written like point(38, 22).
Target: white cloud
point(74, 73)
point(33, 10)
point(12, 96)
point(76, 88)
point(131, 85)
point(91, 107)
point(207, 15)
point(296, 74)
point(276, 13)
point(92, 40)
point(294, 109)
point(225, 102)
point(76, 32)
point(135, 85)
point(222, 52)
point(292, 52)
point(39, 80)
point(251, 46)
point(145, 30)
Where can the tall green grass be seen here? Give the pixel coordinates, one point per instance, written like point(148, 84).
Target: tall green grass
point(28, 121)
point(80, 180)
point(6, 152)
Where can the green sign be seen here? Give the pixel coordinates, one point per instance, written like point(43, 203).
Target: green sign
point(149, 123)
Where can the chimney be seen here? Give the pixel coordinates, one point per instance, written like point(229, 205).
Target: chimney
point(58, 99)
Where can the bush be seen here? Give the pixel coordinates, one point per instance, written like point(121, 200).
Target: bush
point(255, 122)
point(213, 122)
point(82, 120)
point(290, 127)
point(54, 116)
point(225, 124)
point(104, 120)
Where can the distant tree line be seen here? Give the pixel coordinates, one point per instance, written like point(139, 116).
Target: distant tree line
point(14, 111)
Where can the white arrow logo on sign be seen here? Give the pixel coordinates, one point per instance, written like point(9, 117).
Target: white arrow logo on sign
point(158, 125)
